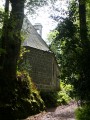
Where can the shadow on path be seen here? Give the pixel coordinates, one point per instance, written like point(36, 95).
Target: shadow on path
point(65, 112)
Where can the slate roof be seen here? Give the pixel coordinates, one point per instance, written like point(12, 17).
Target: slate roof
point(33, 39)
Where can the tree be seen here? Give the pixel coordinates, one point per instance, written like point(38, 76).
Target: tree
point(84, 58)
point(66, 44)
point(82, 19)
point(11, 40)
point(71, 46)
point(10, 45)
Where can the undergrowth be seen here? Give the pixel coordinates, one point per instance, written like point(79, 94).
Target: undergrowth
point(83, 113)
point(56, 98)
point(20, 98)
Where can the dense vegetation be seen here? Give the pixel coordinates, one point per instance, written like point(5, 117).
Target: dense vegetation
point(20, 97)
point(71, 43)
point(56, 98)
point(83, 113)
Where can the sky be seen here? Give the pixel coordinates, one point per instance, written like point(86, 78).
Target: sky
point(43, 16)
point(1, 3)
point(47, 23)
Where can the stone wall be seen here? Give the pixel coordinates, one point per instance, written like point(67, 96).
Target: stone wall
point(43, 68)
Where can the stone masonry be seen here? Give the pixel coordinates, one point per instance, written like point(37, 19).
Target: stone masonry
point(42, 62)
point(44, 69)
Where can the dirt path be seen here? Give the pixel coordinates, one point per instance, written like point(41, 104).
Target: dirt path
point(59, 113)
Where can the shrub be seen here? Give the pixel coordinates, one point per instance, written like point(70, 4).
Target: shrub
point(83, 113)
point(62, 98)
point(49, 98)
point(66, 88)
point(30, 100)
point(55, 98)
point(21, 99)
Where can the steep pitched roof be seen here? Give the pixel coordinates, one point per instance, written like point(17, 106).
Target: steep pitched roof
point(33, 39)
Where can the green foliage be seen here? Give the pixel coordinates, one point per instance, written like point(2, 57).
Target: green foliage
point(52, 35)
point(83, 113)
point(88, 16)
point(23, 65)
point(31, 94)
point(2, 51)
point(1, 18)
point(64, 96)
point(72, 52)
point(55, 98)
point(66, 46)
point(68, 88)
point(20, 98)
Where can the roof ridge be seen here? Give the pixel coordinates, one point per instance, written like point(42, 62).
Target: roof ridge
point(33, 39)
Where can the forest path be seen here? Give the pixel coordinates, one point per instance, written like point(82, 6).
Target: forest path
point(64, 112)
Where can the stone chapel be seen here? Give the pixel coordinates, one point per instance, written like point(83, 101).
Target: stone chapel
point(44, 68)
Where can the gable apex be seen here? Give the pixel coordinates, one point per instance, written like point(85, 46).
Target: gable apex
point(33, 39)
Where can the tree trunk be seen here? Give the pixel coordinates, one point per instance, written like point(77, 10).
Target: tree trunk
point(11, 41)
point(83, 26)
point(84, 61)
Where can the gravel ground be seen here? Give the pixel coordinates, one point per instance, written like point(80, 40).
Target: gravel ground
point(64, 112)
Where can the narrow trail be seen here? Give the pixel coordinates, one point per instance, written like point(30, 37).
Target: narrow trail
point(65, 112)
